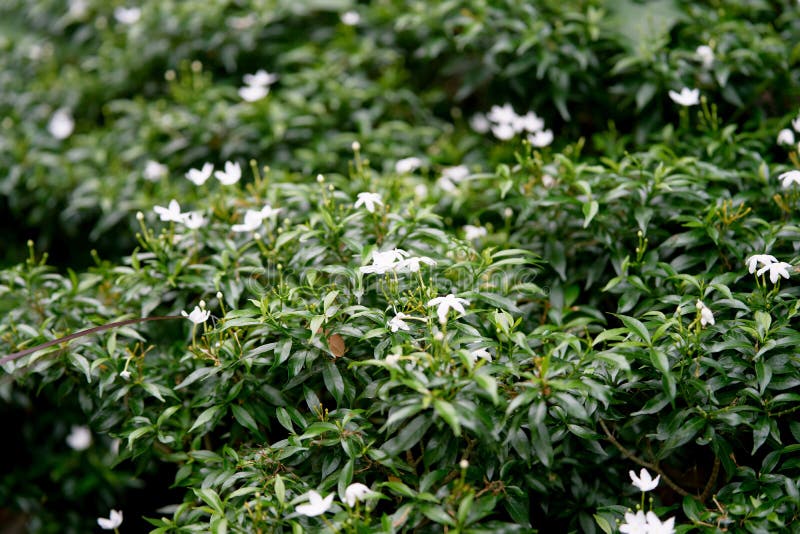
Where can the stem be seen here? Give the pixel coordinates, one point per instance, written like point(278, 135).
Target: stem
point(82, 333)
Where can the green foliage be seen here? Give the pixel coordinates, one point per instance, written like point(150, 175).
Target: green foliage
point(487, 337)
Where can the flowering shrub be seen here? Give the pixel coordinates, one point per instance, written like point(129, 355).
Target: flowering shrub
point(337, 290)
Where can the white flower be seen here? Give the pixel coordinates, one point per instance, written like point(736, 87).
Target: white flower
point(125, 374)
point(316, 504)
point(79, 438)
point(776, 270)
point(413, 264)
point(61, 124)
point(655, 526)
point(530, 122)
point(706, 55)
point(231, 174)
point(444, 304)
point(392, 359)
point(763, 259)
point(472, 233)
point(268, 211)
point(154, 171)
point(261, 78)
point(480, 353)
point(171, 213)
point(706, 315)
point(197, 316)
point(193, 220)
point(78, 9)
point(644, 481)
point(548, 181)
point(350, 18)
point(541, 139)
point(789, 178)
point(199, 177)
point(397, 323)
point(114, 520)
point(687, 97)
point(456, 173)
point(252, 221)
point(503, 131)
point(634, 523)
point(253, 93)
point(502, 115)
point(369, 201)
point(786, 137)
point(480, 123)
point(383, 262)
point(407, 165)
point(355, 492)
point(127, 15)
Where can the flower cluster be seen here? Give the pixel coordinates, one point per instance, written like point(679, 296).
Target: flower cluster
point(395, 260)
point(231, 174)
point(172, 213)
point(317, 505)
point(256, 86)
point(787, 137)
point(254, 218)
point(770, 264)
point(706, 315)
point(504, 124)
point(645, 523)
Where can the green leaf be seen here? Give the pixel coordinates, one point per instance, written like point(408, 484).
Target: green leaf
point(210, 497)
point(280, 489)
point(589, 211)
point(487, 383)
point(637, 327)
point(245, 419)
point(333, 381)
point(206, 416)
point(447, 412)
point(437, 514)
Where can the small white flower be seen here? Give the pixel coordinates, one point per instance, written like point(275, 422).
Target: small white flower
point(644, 481)
point(350, 18)
point(171, 213)
point(268, 211)
point(480, 123)
point(61, 124)
point(541, 139)
point(444, 304)
point(764, 259)
point(530, 122)
point(154, 171)
point(114, 520)
point(261, 78)
point(456, 173)
point(253, 93)
point(355, 146)
point(125, 374)
point(548, 181)
point(687, 97)
point(197, 316)
point(231, 174)
point(78, 9)
point(786, 137)
point(480, 353)
point(199, 176)
point(502, 114)
point(316, 504)
point(252, 221)
point(392, 359)
point(472, 233)
point(355, 492)
point(127, 15)
point(369, 201)
point(655, 526)
point(789, 178)
point(706, 55)
point(706, 315)
point(413, 264)
point(397, 323)
point(383, 262)
point(79, 438)
point(776, 270)
point(193, 220)
point(634, 523)
point(407, 165)
point(503, 131)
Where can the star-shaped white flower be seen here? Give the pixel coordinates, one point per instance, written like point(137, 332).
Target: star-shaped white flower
point(253, 93)
point(655, 526)
point(644, 481)
point(231, 174)
point(482, 353)
point(706, 55)
point(706, 315)
point(634, 523)
point(200, 176)
point(503, 131)
point(687, 97)
point(127, 15)
point(776, 270)
point(504, 114)
point(268, 211)
point(413, 264)
point(355, 492)
point(197, 316)
point(171, 213)
point(369, 201)
point(407, 165)
point(61, 124)
point(316, 504)
point(472, 233)
point(530, 122)
point(397, 322)
point(786, 137)
point(79, 438)
point(789, 178)
point(541, 139)
point(446, 303)
point(763, 259)
point(252, 221)
point(383, 262)
point(193, 220)
point(154, 171)
point(261, 78)
point(113, 521)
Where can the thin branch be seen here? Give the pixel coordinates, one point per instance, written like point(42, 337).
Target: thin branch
point(76, 335)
